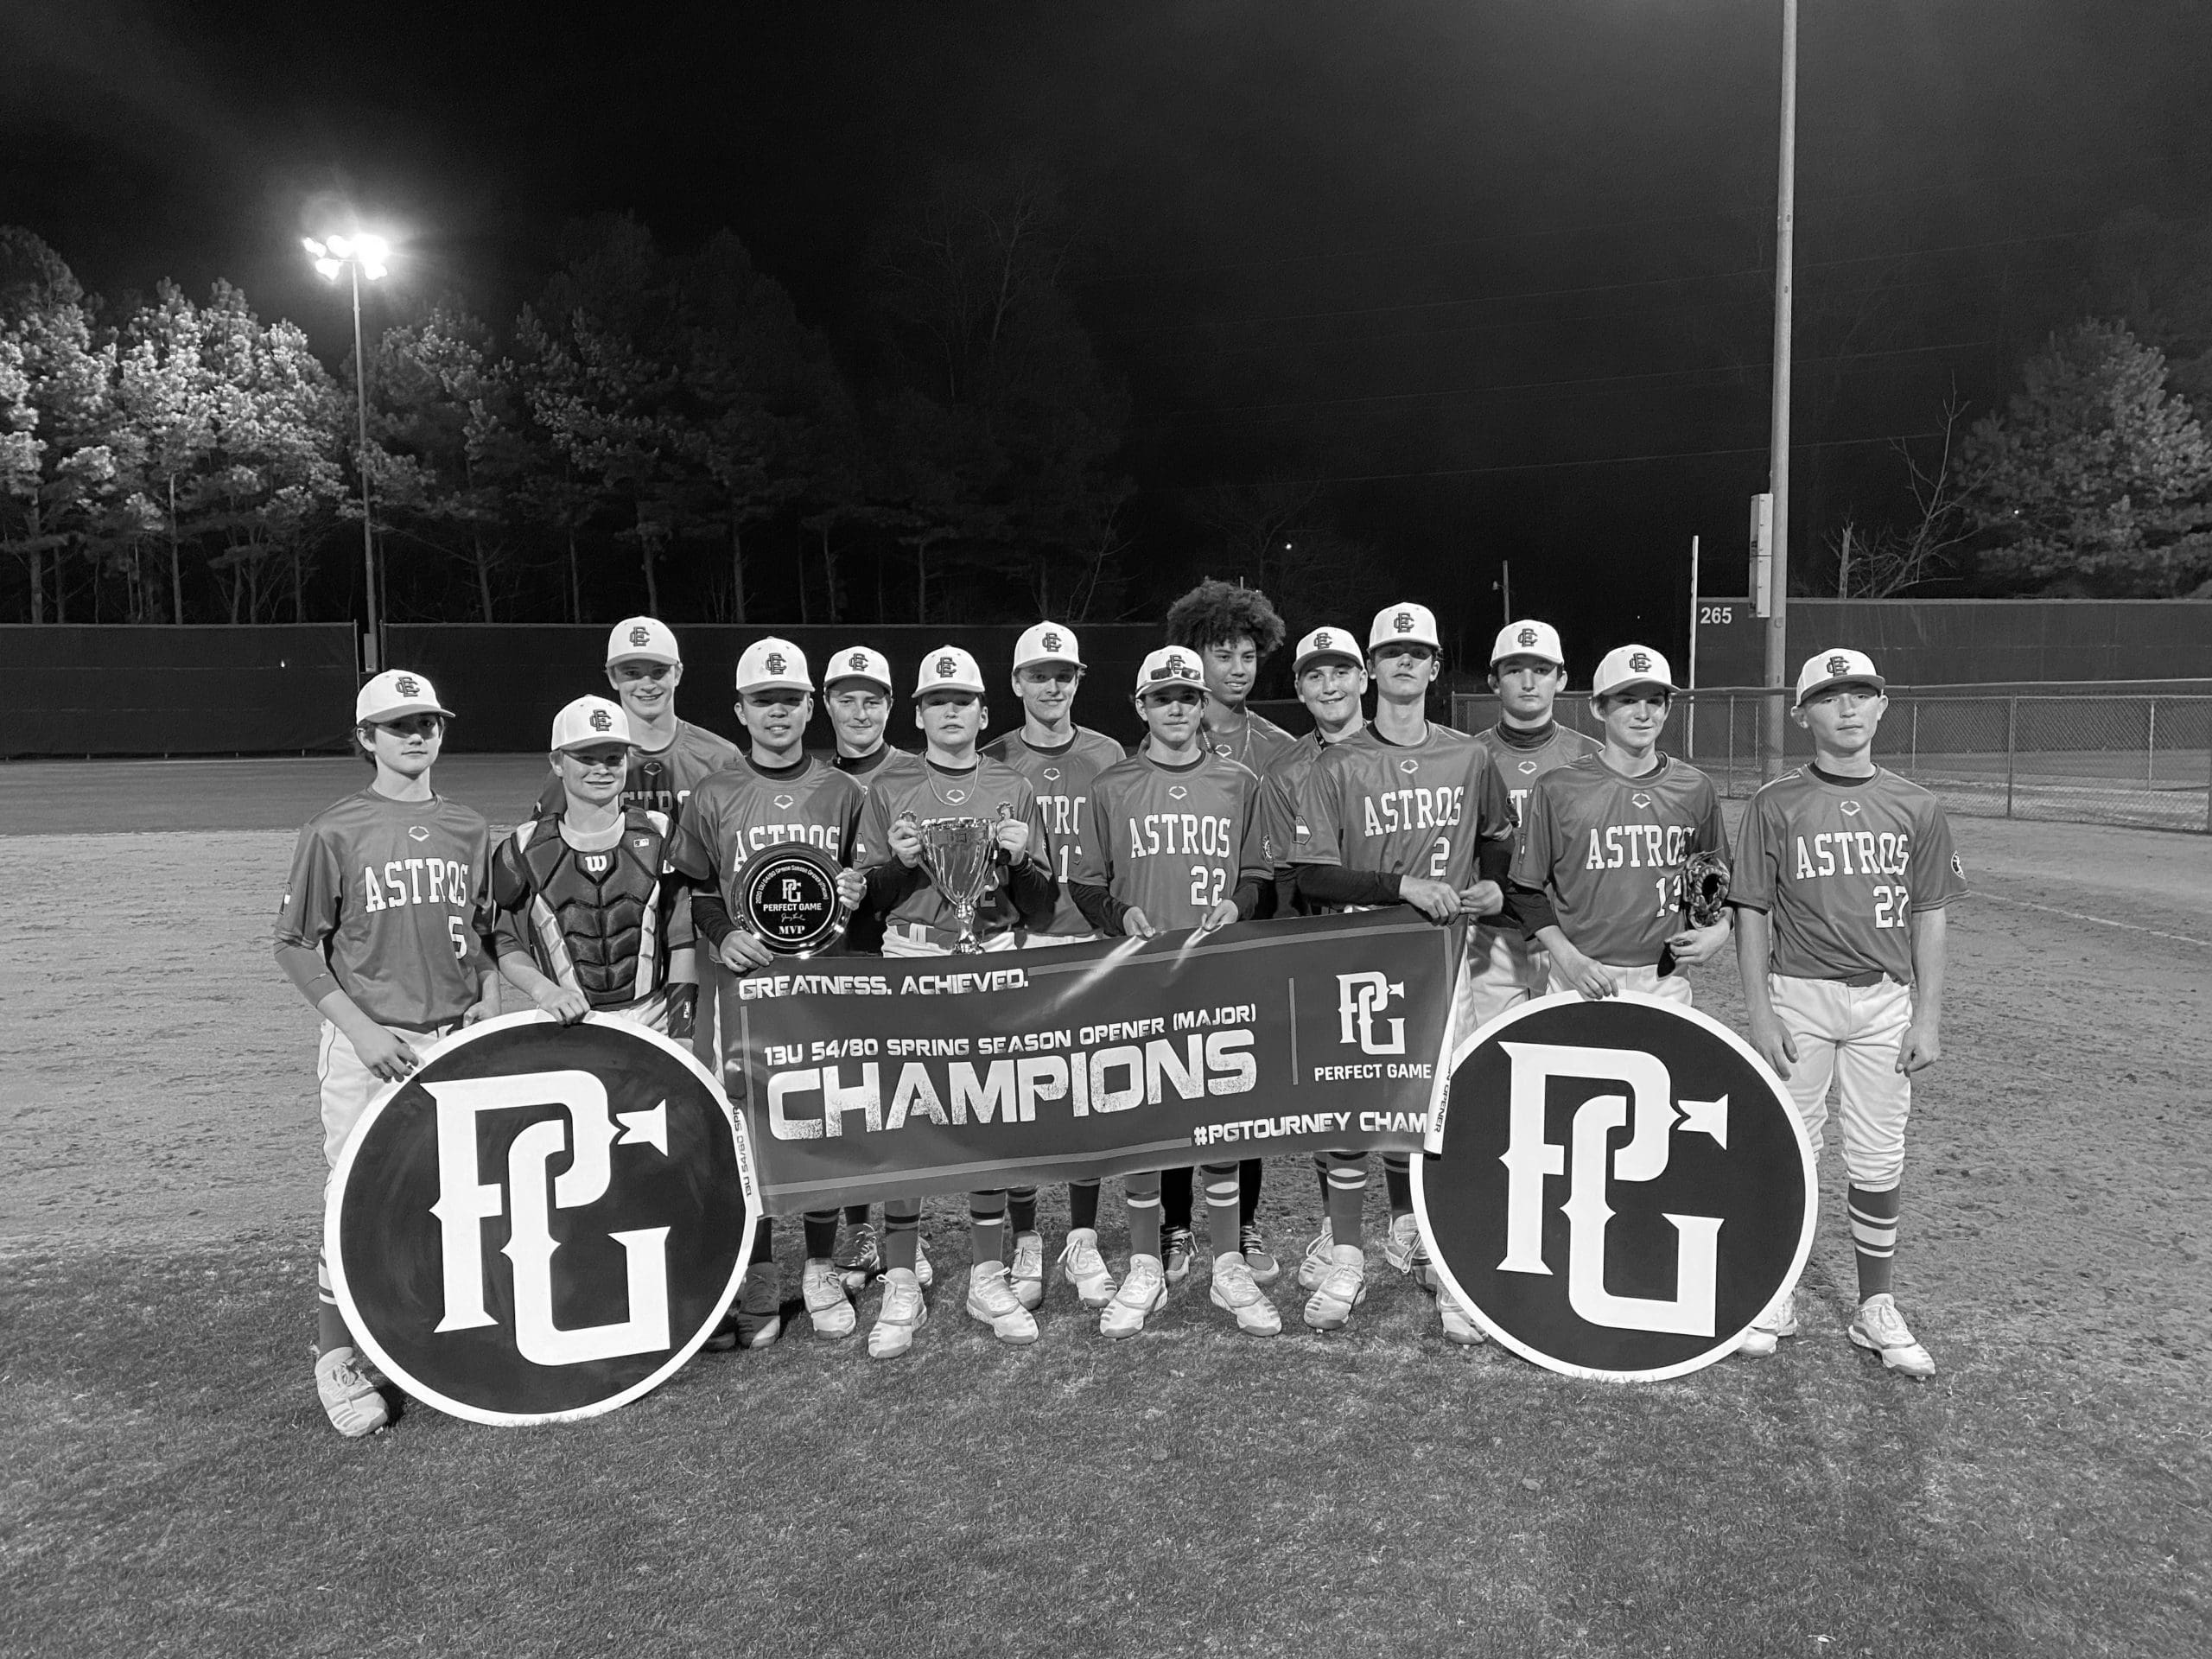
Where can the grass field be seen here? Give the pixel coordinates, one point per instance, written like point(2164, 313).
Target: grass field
point(169, 1485)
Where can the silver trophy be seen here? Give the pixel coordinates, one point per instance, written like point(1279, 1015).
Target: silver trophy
point(958, 854)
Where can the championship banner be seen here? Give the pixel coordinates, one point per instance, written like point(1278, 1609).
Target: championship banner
point(544, 1222)
point(864, 1077)
point(1617, 1188)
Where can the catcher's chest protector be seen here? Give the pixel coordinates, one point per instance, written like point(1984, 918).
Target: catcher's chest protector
point(605, 906)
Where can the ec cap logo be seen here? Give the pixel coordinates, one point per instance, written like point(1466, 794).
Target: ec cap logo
point(1321, 640)
point(946, 668)
point(601, 721)
point(1640, 662)
point(1403, 622)
point(775, 663)
point(857, 662)
point(1839, 664)
point(641, 636)
point(1527, 636)
point(1051, 642)
point(408, 686)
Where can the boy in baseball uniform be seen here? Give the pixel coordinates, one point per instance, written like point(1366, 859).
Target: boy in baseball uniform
point(1175, 844)
point(1843, 872)
point(382, 931)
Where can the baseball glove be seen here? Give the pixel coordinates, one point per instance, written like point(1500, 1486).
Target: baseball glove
point(1701, 887)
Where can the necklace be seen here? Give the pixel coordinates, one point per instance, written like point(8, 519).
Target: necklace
point(960, 795)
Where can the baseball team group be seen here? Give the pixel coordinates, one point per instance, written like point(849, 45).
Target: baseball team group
point(1555, 854)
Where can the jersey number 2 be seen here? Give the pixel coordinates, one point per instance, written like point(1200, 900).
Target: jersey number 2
point(1202, 880)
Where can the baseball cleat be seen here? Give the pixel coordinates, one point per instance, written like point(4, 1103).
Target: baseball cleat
point(1329, 1306)
point(1402, 1245)
point(922, 1272)
point(1460, 1326)
point(1258, 1257)
point(1143, 1291)
point(1779, 1320)
point(1879, 1326)
point(1027, 1273)
point(858, 1259)
point(991, 1299)
point(353, 1404)
point(759, 1314)
point(827, 1306)
point(1320, 1255)
point(1083, 1268)
point(1237, 1292)
point(1176, 1257)
point(903, 1312)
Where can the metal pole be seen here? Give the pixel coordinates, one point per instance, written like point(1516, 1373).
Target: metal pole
point(1785, 218)
point(2011, 739)
point(2151, 750)
point(361, 403)
point(1689, 736)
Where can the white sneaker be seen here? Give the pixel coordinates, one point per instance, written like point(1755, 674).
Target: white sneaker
point(1779, 1320)
point(903, 1312)
point(1083, 1268)
point(1402, 1242)
point(1460, 1326)
point(991, 1299)
point(1879, 1327)
point(1320, 1255)
point(351, 1402)
point(923, 1271)
point(759, 1310)
point(827, 1305)
point(1027, 1273)
point(1143, 1291)
point(1329, 1306)
point(1237, 1292)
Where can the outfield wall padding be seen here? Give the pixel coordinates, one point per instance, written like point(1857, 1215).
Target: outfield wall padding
point(158, 690)
point(1957, 642)
point(505, 683)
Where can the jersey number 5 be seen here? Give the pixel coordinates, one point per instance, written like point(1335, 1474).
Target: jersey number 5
point(460, 938)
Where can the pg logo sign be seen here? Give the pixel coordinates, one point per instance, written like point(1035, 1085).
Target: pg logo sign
point(1361, 999)
point(1620, 1187)
point(544, 1222)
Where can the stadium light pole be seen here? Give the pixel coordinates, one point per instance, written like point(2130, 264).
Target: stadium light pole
point(1785, 211)
point(356, 257)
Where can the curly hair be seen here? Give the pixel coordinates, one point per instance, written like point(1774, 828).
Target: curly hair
point(1215, 613)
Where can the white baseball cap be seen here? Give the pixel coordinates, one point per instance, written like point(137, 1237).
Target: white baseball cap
point(1627, 665)
point(588, 722)
point(1340, 643)
point(1170, 665)
point(1405, 625)
point(644, 639)
point(395, 694)
point(949, 669)
point(772, 664)
point(858, 664)
point(1529, 638)
point(1836, 666)
point(1048, 642)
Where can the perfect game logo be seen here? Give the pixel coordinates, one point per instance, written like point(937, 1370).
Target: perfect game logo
point(544, 1222)
point(1617, 1188)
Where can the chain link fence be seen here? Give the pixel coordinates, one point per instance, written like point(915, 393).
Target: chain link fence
point(2137, 760)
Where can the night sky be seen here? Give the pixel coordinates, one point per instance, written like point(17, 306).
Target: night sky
point(1444, 256)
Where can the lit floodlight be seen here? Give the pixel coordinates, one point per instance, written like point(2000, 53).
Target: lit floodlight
point(328, 269)
point(315, 249)
point(373, 250)
point(372, 271)
point(342, 247)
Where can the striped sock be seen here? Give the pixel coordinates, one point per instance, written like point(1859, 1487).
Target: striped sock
point(1021, 1209)
point(1347, 1197)
point(1874, 1237)
point(1223, 1195)
point(1142, 1193)
point(902, 1231)
point(987, 1227)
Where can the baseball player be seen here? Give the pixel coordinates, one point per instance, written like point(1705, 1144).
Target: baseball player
point(778, 794)
point(668, 756)
point(1175, 844)
point(381, 929)
point(1600, 842)
point(1842, 874)
point(1233, 630)
point(1404, 811)
point(951, 779)
point(1528, 670)
point(581, 894)
point(1059, 758)
point(856, 688)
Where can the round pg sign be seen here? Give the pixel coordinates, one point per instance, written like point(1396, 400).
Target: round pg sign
point(544, 1222)
point(1619, 1187)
